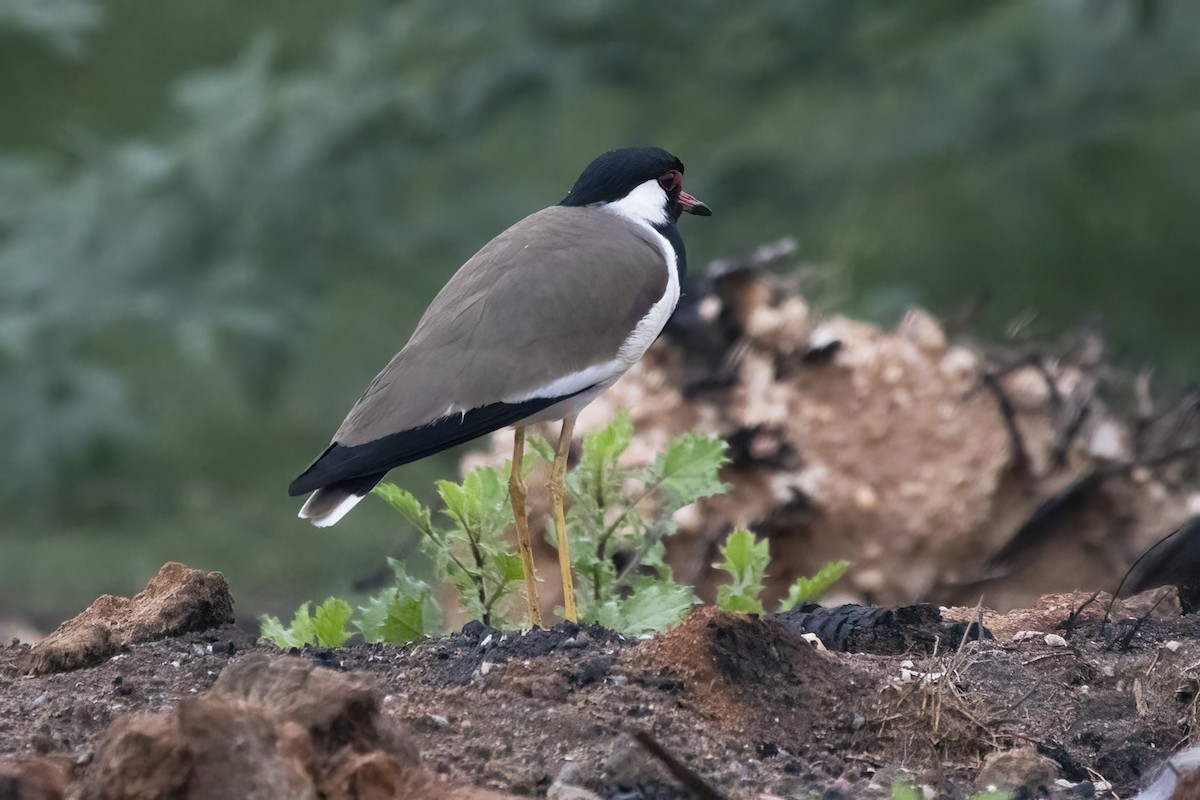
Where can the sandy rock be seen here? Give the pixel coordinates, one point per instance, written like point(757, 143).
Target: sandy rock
point(1019, 768)
point(922, 329)
point(890, 449)
point(37, 778)
point(1051, 611)
point(270, 727)
point(211, 747)
point(76, 644)
point(320, 701)
point(565, 785)
point(177, 600)
point(628, 765)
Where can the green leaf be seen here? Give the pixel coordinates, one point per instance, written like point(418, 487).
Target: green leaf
point(488, 489)
point(371, 616)
point(480, 504)
point(407, 504)
point(271, 628)
point(510, 567)
point(605, 446)
point(299, 634)
point(805, 590)
point(745, 559)
point(329, 623)
point(656, 559)
point(902, 791)
point(475, 554)
point(403, 581)
point(302, 626)
point(689, 469)
point(597, 477)
point(400, 613)
point(405, 621)
point(539, 445)
point(654, 607)
point(454, 496)
point(729, 600)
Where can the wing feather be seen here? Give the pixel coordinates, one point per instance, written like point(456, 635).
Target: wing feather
point(557, 293)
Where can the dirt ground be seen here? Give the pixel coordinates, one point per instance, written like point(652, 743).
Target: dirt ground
point(945, 472)
point(721, 706)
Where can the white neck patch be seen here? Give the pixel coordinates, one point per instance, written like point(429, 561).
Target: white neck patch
point(645, 205)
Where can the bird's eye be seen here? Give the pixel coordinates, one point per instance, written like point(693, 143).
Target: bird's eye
point(670, 181)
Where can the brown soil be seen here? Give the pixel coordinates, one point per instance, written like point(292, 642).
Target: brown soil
point(944, 473)
point(736, 706)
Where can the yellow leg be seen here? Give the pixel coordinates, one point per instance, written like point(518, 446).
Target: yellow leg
point(558, 474)
point(516, 493)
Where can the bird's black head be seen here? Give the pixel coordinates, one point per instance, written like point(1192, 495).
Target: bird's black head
point(618, 176)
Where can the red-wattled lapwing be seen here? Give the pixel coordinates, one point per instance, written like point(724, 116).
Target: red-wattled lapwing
point(532, 328)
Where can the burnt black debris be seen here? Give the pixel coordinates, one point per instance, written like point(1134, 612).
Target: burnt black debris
point(854, 628)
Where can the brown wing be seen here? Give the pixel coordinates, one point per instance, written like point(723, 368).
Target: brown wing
point(556, 293)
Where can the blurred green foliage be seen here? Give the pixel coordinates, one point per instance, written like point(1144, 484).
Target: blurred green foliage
point(219, 219)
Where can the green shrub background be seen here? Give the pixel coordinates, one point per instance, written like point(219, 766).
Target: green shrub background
point(219, 219)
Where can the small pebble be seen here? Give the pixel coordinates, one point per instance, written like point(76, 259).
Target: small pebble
point(814, 640)
point(1172, 645)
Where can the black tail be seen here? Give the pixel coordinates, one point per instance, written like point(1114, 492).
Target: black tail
point(340, 465)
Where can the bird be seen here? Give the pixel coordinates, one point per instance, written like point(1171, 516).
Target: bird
point(532, 328)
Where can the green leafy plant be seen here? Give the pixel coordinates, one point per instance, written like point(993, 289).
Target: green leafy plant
point(472, 553)
point(327, 627)
point(619, 518)
point(745, 558)
point(903, 791)
point(401, 613)
point(806, 590)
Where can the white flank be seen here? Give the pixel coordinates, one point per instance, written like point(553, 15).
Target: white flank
point(651, 325)
point(574, 382)
point(645, 207)
point(334, 514)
